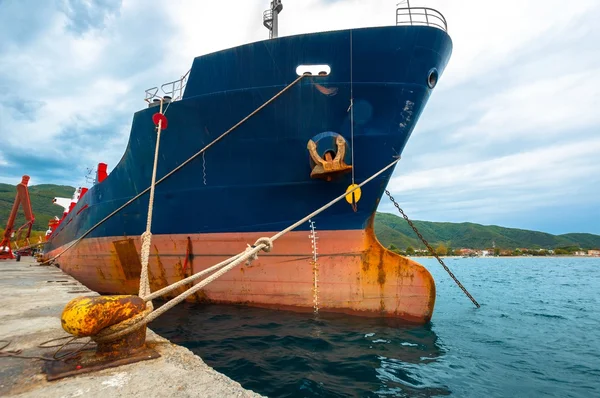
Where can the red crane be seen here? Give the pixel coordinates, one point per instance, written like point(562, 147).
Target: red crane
point(21, 199)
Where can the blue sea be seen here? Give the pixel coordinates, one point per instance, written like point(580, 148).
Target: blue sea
point(537, 334)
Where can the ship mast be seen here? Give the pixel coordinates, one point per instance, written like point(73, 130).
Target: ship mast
point(270, 18)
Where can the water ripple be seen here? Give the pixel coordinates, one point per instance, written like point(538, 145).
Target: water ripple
point(516, 344)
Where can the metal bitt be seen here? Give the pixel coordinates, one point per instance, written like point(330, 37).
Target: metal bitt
point(270, 18)
point(86, 317)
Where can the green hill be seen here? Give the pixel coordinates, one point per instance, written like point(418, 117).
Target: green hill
point(390, 229)
point(587, 241)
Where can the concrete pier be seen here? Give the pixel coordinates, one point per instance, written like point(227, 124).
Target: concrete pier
point(32, 298)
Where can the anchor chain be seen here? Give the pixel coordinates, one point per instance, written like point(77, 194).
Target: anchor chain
point(431, 249)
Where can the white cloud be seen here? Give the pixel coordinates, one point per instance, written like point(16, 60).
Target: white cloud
point(492, 190)
point(488, 35)
point(512, 127)
point(541, 167)
point(514, 114)
point(81, 81)
point(538, 110)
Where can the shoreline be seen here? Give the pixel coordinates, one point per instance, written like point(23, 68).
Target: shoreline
point(468, 257)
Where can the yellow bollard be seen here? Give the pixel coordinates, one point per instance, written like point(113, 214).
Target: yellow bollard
point(86, 316)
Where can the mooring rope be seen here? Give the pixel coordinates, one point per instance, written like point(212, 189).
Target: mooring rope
point(200, 152)
point(250, 254)
point(144, 288)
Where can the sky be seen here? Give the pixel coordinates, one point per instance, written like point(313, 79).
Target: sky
point(510, 135)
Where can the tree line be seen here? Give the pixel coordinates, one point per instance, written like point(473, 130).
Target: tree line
point(443, 250)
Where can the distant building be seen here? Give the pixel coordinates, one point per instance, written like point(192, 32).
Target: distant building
point(594, 253)
point(580, 253)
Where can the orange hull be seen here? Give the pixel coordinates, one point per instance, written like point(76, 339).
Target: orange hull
point(355, 274)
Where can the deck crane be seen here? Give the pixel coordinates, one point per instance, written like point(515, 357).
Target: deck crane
point(21, 199)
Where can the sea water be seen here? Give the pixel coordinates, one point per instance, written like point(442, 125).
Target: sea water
point(537, 334)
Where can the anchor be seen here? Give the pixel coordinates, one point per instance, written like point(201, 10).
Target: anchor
point(328, 167)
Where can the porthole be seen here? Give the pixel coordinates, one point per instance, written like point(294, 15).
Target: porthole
point(432, 78)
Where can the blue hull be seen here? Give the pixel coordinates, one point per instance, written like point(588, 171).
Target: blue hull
point(257, 178)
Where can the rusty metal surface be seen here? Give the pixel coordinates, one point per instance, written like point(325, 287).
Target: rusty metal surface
point(125, 345)
point(356, 274)
point(128, 258)
point(405, 288)
point(86, 316)
point(88, 362)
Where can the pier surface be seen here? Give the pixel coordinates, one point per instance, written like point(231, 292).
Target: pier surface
point(31, 302)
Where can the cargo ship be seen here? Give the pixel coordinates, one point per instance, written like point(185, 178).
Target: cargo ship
point(361, 94)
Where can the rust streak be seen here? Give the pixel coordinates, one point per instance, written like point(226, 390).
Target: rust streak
point(161, 278)
point(180, 274)
point(128, 258)
point(380, 272)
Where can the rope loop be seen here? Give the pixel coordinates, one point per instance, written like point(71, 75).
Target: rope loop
point(268, 242)
point(267, 247)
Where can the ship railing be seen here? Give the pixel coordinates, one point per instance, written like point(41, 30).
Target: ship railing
point(421, 16)
point(268, 19)
point(172, 91)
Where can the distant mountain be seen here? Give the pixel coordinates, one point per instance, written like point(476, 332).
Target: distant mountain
point(586, 241)
point(41, 203)
point(392, 229)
